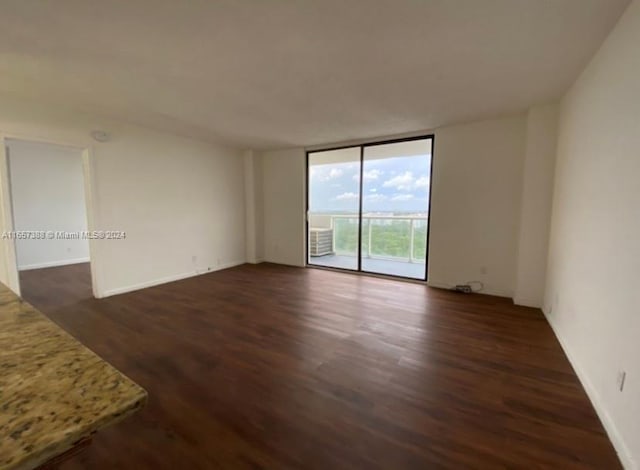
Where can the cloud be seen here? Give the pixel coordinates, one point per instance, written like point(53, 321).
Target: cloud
point(373, 190)
point(335, 173)
point(375, 197)
point(322, 173)
point(422, 183)
point(407, 182)
point(402, 182)
point(402, 197)
point(370, 175)
point(346, 196)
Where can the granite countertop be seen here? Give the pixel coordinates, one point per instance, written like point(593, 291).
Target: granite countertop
point(53, 390)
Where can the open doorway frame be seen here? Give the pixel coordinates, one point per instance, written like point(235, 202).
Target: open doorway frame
point(8, 246)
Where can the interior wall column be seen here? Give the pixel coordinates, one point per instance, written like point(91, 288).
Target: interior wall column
point(537, 194)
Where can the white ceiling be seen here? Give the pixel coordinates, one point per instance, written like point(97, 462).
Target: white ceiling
point(279, 73)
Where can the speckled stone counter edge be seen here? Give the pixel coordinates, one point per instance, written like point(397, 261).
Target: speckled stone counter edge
point(53, 390)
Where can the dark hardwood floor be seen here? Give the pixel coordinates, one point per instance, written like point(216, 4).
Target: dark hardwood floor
point(275, 367)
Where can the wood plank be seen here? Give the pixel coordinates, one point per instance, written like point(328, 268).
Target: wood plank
point(266, 366)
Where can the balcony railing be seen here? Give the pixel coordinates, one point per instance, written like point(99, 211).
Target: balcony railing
point(388, 237)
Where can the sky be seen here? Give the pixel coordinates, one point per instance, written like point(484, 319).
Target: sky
point(398, 184)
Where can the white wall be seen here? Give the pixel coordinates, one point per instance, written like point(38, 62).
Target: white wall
point(176, 198)
point(259, 209)
point(283, 179)
point(592, 298)
point(477, 187)
point(47, 187)
point(254, 211)
point(475, 205)
point(535, 209)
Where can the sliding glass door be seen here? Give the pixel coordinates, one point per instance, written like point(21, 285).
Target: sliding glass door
point(395, 209)
point(368, 207)
point(334, 208)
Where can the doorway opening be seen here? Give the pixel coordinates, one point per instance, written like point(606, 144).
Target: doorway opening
point(368, 207)
point(49, 219)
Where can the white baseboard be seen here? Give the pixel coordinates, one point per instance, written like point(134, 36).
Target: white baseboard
point(445, 285)
point(167, 279)
point(222, 266)
point(608, 423)
point(284, 263)
point(439, 285)
point(53, 264)
point(526, 302)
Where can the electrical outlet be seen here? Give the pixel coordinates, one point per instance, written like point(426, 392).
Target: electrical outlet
point(483, 270)
point(194, 258)
point(622, 376)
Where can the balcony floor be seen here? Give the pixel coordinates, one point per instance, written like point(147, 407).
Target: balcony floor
point(379, 266)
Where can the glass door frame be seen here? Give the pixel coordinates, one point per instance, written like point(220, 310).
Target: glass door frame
point(362, 147)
